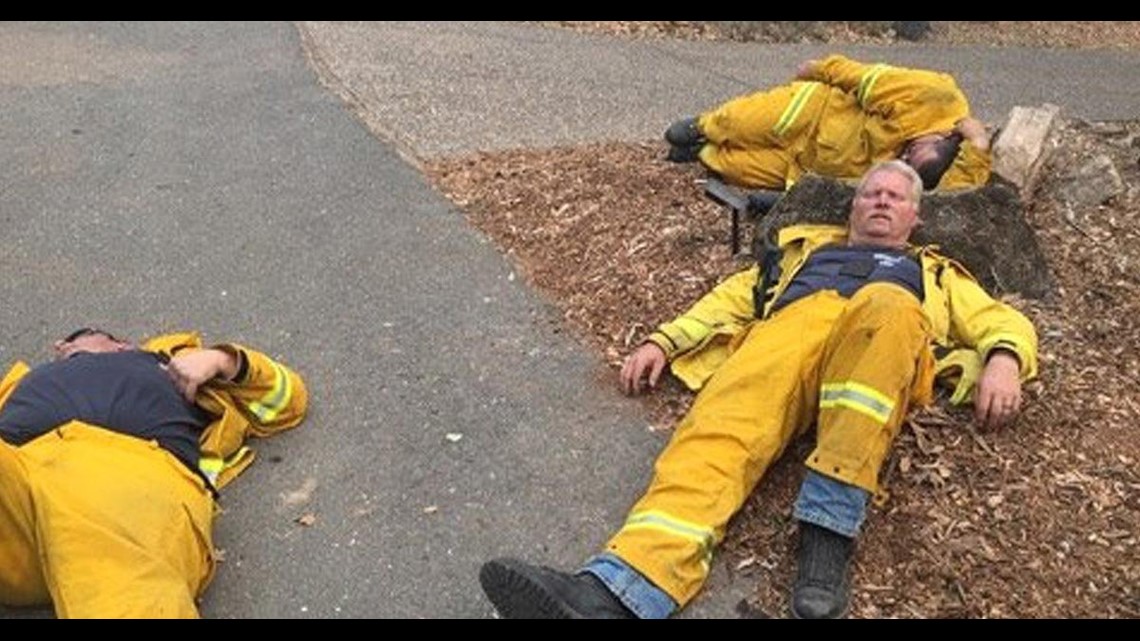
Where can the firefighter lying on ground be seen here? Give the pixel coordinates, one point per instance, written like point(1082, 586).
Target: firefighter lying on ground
point(110, 460)
point(837, 119)
point(836, 329)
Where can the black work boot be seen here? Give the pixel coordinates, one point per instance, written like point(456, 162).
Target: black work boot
point(684, 133)
point(523, 591)
point(821, 590)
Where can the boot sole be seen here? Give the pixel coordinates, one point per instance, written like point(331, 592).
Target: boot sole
point(841, 615)
point(516, 596)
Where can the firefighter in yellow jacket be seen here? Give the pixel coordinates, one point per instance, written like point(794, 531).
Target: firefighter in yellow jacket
point(838, 118)
point(110, 460)
point(838, 330)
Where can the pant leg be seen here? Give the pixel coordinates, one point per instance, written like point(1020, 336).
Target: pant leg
point(124, 528)
point(877, 351)
point(760, 398)
point(636, 592)
point(754, 167)
point(753, 140)
point(831, 504)
point(21, 576)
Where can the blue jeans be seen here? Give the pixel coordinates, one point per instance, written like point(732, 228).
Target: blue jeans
point(831, 504)
point(636, 592)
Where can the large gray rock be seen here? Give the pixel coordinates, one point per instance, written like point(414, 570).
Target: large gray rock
point(982, 228)
point(1021, 147)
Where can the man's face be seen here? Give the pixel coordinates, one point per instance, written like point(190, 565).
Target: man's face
point(88, 340)
point(882, 213)
point(922, 150)
point(931, 156)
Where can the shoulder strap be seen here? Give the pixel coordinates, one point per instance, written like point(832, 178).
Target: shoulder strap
point(770, 254)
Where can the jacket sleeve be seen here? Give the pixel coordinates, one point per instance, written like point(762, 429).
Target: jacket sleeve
point(982, 323)
point(11, 378)
point(722, 311)
point(915, 101)
point(264, 397)
point(841, 71)
point(269, 393)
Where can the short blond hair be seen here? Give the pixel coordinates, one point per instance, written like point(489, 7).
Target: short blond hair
point(899, 167)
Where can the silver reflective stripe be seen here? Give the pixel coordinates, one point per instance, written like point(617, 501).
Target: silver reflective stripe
point(860, 398)
point(656, 520)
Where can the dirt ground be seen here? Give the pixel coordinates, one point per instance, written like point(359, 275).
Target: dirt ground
point(1039, 520)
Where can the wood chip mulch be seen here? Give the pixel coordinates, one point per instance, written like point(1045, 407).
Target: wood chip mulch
point(1039, 520)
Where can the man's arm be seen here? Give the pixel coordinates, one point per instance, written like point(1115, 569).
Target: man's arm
point(985, 324)
point(974, 132)
point(915, 101)
point(728, 305)
point(246, 391)
point(1002, 336)
point(974, 163)
point(721, 312)
point(272, 394)
point(835, 70)
point(191, 368)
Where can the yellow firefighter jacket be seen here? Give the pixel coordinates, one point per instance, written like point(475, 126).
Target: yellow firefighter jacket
point(270, 398)
point(966, 322)
point(838, 122)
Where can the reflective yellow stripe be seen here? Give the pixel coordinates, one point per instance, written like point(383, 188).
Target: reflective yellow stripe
point(276, 399)
point(860, 398)
point(655, 520)
point(867, 82)
point(212, 466)
point(792, 111)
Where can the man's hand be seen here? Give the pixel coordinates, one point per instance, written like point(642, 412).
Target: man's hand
point(974, 130)
point(189, 369)
point(806, 70)
point(646, 362)
point(997, 398)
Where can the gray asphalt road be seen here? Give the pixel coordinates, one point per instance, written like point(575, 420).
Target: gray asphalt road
point(440, 89)
point(166, 176)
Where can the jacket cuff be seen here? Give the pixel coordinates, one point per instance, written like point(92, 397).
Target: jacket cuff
point(239, 356)
point(663, 341)
point(1009, 346)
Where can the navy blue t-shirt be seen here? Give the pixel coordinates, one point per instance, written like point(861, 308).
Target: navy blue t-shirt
point(126, 392)
point(847, 269)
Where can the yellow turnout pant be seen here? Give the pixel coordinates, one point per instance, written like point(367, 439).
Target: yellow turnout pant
point(848, 365)
point(102, 525)
point(762, 139)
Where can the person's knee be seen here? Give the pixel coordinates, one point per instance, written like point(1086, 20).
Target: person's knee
point(886, 301)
